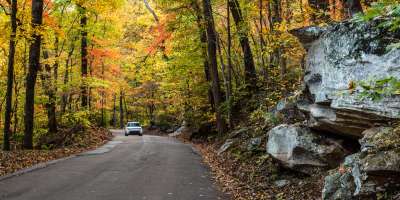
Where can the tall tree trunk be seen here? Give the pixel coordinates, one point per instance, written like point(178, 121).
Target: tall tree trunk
point(50, 92)
point(10, 76)
point(121, 110)
point(262, 42)
point(34, 65)
point(16, 105)
point(229, 75)
point(221, 60)
point(115, 111)
point(102, 96)
point(275, 13)
point(203, 41)
point(84, 58)
point(250, 70)
point(126, 108)
point(212, 58)
point(275, 18)
point(64, 98)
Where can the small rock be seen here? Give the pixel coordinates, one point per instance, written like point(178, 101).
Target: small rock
point(239, 132)
point(228, 143)
point(254, 143)
point(281, 183)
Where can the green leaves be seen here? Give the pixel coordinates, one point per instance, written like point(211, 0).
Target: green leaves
point(73, 119)
point(389, 10)
point(376, 90)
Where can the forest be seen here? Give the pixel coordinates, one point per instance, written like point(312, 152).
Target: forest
point(72, 69)
point(103, 62)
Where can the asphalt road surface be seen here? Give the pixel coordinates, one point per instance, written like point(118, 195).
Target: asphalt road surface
point(128, 168)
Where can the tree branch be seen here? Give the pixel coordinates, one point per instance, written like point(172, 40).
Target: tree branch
point(151, 11)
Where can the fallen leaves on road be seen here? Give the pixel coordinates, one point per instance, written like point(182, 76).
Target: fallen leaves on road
point(252, 179)
point(13, 161)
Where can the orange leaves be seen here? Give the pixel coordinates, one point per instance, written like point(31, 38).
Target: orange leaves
point(100, 56)
point(161, 35)
point(100, 42)
point(98, 53)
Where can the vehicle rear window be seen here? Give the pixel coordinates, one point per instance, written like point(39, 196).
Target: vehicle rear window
point(132, 124)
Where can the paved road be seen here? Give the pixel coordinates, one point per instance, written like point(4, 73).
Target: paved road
point(129, 168)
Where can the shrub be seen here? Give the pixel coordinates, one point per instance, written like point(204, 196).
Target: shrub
point(76, 118)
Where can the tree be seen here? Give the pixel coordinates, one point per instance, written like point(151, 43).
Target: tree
point(250, 69)
point(114, 118)
point(10, 76)
point(203, 41)
point(229, 75)
point(84, 57)
point(34, 65)
point(48, 86)
point(121, 110)
point(212, 59)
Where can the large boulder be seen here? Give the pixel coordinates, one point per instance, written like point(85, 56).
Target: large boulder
point(375, 169)
point(299, 148)
point(341, 57)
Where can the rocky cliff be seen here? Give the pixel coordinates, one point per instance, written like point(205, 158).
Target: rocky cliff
point(345, 63)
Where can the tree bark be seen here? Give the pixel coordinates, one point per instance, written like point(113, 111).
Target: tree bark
point(121, 110)
point(126, 108)
point(115, 111)
point(50, 92)
point(10, 77)
point(250, 70)
point(151, 11)
point(64, 98)
point(203, 41)
point(262, 42)
point(102, 96)
point(275, 13)
point(212, 58)
point(16, 104)
point(229, 70)
point(84, 58)
point(34, 65)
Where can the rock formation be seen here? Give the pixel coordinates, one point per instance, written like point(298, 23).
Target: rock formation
point(339, 58)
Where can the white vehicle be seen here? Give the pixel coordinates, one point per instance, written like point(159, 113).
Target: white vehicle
point(133, 128)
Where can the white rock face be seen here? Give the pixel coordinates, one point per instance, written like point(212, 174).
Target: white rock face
point(344, 55)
